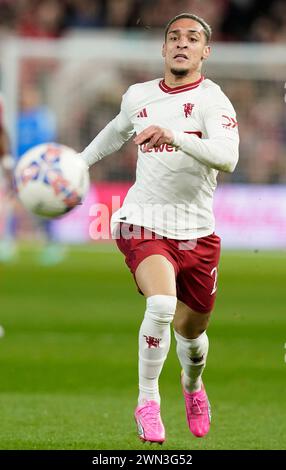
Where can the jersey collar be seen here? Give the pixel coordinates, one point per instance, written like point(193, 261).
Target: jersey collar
point(181, 88)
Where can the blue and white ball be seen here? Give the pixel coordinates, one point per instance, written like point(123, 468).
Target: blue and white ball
point(51, 180)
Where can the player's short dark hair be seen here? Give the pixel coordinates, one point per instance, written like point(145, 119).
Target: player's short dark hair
point(206, 27)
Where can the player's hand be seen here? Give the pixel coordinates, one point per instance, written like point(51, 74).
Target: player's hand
point(154, 136)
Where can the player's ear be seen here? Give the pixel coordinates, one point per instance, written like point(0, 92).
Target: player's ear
point(164, 50)
point(206, 52)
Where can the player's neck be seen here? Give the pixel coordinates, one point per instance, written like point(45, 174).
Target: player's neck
point(173, 81)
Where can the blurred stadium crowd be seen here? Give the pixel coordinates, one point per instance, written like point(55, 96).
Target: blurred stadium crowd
point(231, 20)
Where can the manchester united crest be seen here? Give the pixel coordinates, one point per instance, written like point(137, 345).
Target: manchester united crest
point(188, 109)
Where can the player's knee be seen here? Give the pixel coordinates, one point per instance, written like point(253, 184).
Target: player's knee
point(161, 308)
point(191, 326)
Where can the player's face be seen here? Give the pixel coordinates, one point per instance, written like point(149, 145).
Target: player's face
point(185, 47)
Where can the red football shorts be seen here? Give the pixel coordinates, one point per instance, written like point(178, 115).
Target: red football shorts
point(195, 262)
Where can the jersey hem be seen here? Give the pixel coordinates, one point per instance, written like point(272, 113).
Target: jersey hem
point(182, 236)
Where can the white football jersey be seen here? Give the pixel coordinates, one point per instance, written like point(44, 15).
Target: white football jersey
point(174, 187)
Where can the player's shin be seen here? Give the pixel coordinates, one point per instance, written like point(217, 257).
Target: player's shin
point(154, 344)
point(192, 354)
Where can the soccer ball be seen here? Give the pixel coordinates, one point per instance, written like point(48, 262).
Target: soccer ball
point(51, 180)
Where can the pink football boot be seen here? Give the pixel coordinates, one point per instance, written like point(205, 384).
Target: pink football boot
point(198, 411)
point(149, 423)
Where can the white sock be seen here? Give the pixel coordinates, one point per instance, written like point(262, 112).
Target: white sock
point(192, 354)
point(154, 344)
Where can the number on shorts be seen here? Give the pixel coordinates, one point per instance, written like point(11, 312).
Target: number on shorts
point(214, 275)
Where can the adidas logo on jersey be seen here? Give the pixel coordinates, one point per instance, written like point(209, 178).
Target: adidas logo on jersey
point(142, 113)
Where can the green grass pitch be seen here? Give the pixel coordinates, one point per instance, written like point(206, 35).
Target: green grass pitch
point(68, 360)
